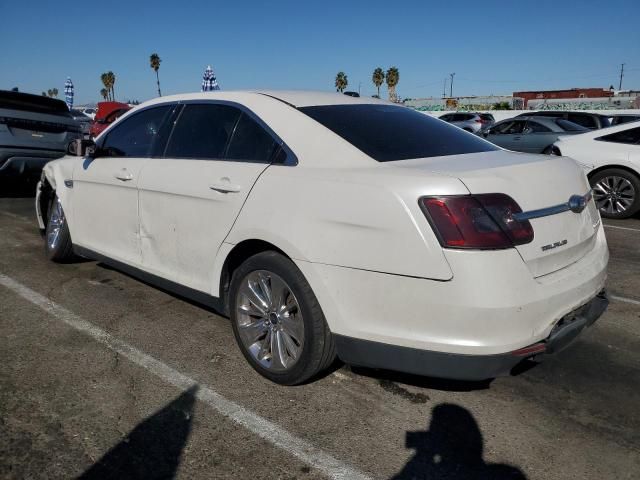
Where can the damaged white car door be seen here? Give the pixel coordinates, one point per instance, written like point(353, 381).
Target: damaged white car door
point(105, 186)
point(190, 198)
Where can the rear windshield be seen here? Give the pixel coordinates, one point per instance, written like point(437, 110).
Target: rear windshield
point(33, 103)
point(388, 132)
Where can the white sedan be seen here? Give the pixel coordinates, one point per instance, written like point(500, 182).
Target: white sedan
point(611, 158)
point(326, 225)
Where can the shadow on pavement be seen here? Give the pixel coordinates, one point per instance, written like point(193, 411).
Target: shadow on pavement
point(151, 450)
point(18, 187)
point(385, 376)
point(452, 448)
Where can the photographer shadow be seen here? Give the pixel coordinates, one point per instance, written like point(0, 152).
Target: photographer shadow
point(452, 448)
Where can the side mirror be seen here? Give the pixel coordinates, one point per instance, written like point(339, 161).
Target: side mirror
point(82, 148)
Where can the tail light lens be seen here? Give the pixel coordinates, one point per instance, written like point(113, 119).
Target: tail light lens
point(477, 221)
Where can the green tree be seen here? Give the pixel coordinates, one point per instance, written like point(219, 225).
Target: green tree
point(44, 94)
point(392, 77)
point(378, 78)
point(341, 81)
point(104, 93)
point(55, 92)
point(154, 62)
point(112, 81)
point(105, 81)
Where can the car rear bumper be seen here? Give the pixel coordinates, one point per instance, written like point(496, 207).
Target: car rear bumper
point(27, 163)
point(491, 307)
point(366, 353)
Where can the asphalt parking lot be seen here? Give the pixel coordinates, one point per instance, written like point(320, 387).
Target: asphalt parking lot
point(103, 376)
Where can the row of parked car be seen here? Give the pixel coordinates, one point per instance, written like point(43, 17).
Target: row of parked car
point(607, 146)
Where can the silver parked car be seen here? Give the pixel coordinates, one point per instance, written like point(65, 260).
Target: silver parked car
point(469, 121)
point(531, 134)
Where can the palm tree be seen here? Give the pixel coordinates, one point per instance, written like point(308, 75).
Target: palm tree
point(105, 81)
point(50, 93)
point(393, 77)
point(112, 81)
point(44, 94)
point(341, 81)
point(378, 78)
point(154, 61)
point(105, 93)
point(55, 92)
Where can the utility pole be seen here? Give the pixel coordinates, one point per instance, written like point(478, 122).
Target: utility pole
point(444, 88)
point(451, 85)
point(621, 75)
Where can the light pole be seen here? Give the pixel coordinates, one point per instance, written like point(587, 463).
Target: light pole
point(444, 88)
point(451, 85)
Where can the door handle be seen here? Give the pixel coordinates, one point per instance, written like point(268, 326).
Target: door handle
point(225, 187)
point(124, 175)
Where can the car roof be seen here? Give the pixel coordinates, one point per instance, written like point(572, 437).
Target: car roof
point(295, 98)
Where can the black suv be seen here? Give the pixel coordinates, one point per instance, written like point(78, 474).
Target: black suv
point(33, 130)
point(592, 121)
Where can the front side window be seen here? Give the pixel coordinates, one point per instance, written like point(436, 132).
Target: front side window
point(389, 132)
point(250, 142)
point(136, 136)
point(535, 127)
point(202, 131)
point(631, 136)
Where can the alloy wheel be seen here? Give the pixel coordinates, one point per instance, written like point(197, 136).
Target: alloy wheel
point(614, 195)
point(56, 222)
point(269, 321)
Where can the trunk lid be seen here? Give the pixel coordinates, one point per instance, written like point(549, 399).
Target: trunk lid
point(534, 182)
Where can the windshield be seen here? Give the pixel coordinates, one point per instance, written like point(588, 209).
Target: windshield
point(388, 132)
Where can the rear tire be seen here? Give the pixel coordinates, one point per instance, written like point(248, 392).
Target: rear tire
point(277, 320)
point(57, 238)
point(616, 193)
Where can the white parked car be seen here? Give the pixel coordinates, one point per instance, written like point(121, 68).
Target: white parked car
point(611, 159)
point(330, 225)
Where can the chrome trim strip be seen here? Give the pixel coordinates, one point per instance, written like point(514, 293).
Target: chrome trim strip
point(545, 212)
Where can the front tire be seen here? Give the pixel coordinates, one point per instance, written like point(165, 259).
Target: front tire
point(58, 246)
point(277, 320)
point(616, 193)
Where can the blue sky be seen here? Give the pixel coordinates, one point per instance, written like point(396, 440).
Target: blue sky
point(493, 47)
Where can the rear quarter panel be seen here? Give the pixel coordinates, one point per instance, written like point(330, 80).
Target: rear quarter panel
point(366, 219)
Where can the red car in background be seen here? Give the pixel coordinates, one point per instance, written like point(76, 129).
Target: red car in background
point(107, 113)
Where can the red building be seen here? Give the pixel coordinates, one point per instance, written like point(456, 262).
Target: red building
point(571, 93)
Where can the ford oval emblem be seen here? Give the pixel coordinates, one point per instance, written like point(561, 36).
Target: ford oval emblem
point(577, 203)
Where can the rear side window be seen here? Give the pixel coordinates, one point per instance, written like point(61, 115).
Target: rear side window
point(585, 120)
point(202, 131)
point(568, 126)
point(631, 136)
point(136, 136)
point(388, 132)
point(250, 142)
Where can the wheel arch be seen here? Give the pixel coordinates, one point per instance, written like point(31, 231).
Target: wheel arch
point(610, 166)
point(235, 257)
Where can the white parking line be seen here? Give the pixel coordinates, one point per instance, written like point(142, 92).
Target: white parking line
point(624, 299)
point(623, 228)
point(272, 433)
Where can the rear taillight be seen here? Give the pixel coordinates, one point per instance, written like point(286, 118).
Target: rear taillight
point(482, 221)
